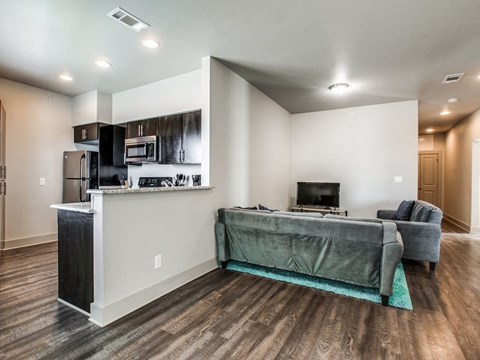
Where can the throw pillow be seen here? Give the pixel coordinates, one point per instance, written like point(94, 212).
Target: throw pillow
point(404, 210)
point(261, 207)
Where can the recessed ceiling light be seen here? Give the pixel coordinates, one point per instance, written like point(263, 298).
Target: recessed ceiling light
point(338, 89)
point(446, 112)
point(152, 44)
point(430, 130)
point(103, 63)
point(452, 100)
point(65, 77)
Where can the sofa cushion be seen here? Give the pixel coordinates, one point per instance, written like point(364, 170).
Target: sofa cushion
point(341, 217)
point(246, 207)
point(404, 210)
point(420, 212)
point(262, 207)
point(297, 213)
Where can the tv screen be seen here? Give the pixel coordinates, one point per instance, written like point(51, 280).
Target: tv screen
point(318, 194)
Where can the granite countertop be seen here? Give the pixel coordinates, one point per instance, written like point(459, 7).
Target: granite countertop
point(123, 190)
point(82, 207)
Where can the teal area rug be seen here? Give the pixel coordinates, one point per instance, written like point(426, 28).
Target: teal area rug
point(400, 298)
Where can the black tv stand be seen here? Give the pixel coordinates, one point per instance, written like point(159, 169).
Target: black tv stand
point(321, 210)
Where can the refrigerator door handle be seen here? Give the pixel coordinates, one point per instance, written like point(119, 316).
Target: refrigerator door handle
point(82, 178)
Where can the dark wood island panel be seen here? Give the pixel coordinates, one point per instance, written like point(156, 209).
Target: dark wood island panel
point(75, 258)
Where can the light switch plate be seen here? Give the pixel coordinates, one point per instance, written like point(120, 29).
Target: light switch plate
point(397, 179)
point(42, 181)
point(158, 261)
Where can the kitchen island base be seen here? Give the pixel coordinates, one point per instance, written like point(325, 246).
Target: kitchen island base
point(75, 259)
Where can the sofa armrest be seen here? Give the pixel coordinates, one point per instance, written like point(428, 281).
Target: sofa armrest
point(392, 251)
point(386, 214)
point(422, 240)
point(223, 248)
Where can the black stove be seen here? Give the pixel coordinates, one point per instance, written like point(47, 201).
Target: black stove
point(155, 181)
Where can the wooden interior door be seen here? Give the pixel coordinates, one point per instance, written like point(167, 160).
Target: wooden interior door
point(428, 178)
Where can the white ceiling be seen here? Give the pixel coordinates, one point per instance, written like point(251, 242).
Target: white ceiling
point(292, 50)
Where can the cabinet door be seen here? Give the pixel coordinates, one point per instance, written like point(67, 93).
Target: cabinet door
point(142, 128)
point(170, 133)
point(192, 138)
point(85, 133)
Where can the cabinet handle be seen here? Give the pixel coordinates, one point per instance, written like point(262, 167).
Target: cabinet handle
point(84, 134)
point(180, 155)
point(183, 156)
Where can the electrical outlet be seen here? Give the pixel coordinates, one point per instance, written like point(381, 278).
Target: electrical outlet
point(158, 261)
point(397, 179)
point(42, 181)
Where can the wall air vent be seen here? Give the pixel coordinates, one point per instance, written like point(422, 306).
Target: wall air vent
point(452, 78)
point(127, 19)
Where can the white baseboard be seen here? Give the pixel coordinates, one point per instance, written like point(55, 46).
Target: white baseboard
point(474, 229)
point(104, 315)
point(34, 240)
point(456, 222)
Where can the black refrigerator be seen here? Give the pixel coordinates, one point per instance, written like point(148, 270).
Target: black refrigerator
point(80, 173)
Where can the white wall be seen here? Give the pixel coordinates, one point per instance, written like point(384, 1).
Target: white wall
point(459, 145)
point(38, 131)
point(169, 96)
point(362, 148)
point(256, 144)
point(90, 107)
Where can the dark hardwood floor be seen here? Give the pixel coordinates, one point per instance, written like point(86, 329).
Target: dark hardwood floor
point(225, 315)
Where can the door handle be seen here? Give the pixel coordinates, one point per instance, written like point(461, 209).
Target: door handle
point(82, 159)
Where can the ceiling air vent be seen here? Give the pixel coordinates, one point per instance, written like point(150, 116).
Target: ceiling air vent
point(127, 19)
point(452, 78)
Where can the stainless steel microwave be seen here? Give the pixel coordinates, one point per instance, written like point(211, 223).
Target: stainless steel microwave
point(142, 150)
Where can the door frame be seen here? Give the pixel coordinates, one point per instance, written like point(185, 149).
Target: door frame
point(440, 173)
point(475, 190)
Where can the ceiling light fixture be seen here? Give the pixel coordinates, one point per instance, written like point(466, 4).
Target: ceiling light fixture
point(452, 100)
point(65, 77)
point(103, 63)
point(152, 44)
point(446, 112)
point(338, 89)
point(430, 130)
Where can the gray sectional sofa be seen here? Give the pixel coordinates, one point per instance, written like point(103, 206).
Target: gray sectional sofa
point(357, 252)
point(421, 233)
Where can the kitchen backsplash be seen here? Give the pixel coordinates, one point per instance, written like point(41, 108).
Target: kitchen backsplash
point(135, 172)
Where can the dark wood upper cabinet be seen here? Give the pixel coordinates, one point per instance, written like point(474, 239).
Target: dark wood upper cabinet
point(142, 128)
point(192, 138)
point(181, 138)
point(170, 134)
point(87, 134)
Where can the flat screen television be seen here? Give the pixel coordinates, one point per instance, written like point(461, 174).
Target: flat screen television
point(318, 194)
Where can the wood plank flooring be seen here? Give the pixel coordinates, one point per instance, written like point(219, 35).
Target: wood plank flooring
point(225, 315)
